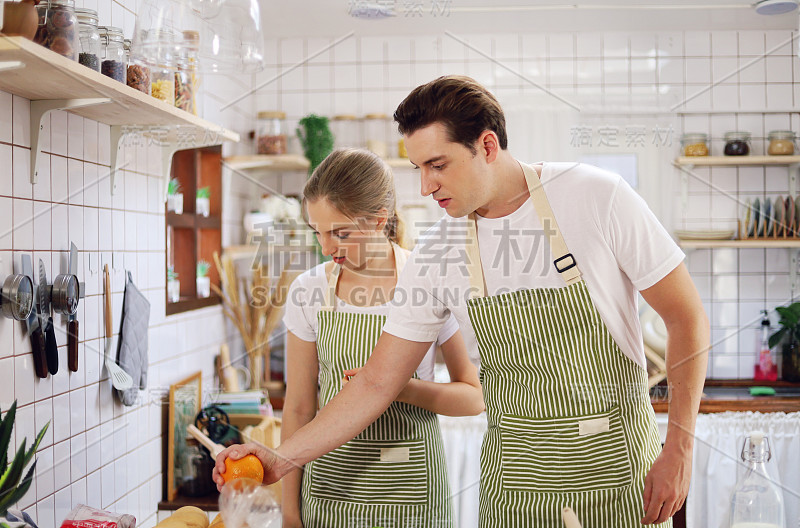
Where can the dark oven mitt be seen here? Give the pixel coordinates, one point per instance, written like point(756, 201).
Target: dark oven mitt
point(133, 340)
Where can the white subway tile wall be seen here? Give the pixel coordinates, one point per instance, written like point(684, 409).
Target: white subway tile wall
point(109, 456)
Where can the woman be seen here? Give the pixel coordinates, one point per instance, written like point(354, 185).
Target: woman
point(393, 473)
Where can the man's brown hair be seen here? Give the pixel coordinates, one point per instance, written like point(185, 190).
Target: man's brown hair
point(463, 106)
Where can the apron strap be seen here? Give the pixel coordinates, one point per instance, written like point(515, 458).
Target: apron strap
point(564, 261)
point(333, 271)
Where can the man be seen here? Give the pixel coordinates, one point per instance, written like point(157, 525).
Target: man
point(541, 265)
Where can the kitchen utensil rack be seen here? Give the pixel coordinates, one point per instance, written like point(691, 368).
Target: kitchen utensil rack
point(53, 82)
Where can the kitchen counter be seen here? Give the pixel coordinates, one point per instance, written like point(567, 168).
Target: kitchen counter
point(736, 397)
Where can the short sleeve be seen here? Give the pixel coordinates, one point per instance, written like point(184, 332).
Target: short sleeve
point(448, 330)
point(644, 250)
point(298, 315)
point(416, 314)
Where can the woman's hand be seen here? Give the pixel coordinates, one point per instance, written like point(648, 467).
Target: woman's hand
point(235, 452)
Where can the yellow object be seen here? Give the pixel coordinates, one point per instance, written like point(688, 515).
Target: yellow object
point(164, 90)
point(173, 522)
point(217, 522)
point(401, 149)
point(248, 466)
point(696, 149)
point(266, 433)
point(193, 516)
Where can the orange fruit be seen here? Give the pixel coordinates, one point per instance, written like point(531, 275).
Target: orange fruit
point(249, 466)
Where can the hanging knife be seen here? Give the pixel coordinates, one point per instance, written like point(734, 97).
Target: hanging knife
point(34, 328)
point(50, 345)
point(72, 322)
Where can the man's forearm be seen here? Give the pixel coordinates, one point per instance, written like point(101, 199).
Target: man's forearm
point(687, 360)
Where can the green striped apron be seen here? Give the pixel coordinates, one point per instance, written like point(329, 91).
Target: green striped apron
point(570, 420)
point(393, 474)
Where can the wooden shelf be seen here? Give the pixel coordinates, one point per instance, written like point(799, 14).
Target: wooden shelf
point(741, 244)
point(190, 221)
point(46, 75)
point(53, 82)
point(289, 162)
point(738, 161)
point(192, 303)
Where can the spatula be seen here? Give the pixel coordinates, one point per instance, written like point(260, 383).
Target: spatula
point(120, 379)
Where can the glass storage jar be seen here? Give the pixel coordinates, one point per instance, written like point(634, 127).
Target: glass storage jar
point(138, 74)
point(113, 53)
point(89, 37)
point(694, 144)
point(737, 143)
point(271, 135)
point(345, 131)
point(781, 143)
point(58, 28)
point(375, 127)
point(161, 44)
point(186, 78)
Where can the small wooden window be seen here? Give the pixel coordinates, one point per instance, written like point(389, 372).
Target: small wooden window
point(192, 237)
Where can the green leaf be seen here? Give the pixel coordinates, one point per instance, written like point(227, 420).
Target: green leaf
point(11, 476)
point(5, 433)
point(775, 338)
point(788, 316)
point(14, 496)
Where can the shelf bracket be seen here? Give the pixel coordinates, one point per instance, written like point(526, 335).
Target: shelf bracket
point(793, 272)
point(40, 109)
point(119, 133)
point(11, 65)
point(684, 192)
point(793, 178)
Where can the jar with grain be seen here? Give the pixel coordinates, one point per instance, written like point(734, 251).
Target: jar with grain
point(161, 46)
point(376, 131)
point(138, 73)
point(58, 28)
point(694, 144)
point(113, 53)
point(271, 133)
point(89, 33)
point(345, 131)
point(781, 143)
point(186, 77)
point(737, 143)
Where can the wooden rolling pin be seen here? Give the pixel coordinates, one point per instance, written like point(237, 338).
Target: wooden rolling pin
point(570, 519)
point(213, 447)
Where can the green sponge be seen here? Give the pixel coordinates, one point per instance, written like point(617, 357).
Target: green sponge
point(762, 391)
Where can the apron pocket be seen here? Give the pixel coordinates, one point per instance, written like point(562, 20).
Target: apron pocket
point(374, 472)
point(571, 454)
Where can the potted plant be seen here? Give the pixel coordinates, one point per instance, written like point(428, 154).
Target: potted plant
point(203, 201)
point(173, 285)
point(317, 139)
point(174, 197)
point(13, 486)
point(203, 280)
point(789, 336)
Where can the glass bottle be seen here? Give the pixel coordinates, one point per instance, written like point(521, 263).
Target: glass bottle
point(757, 500)
point(781, 143)
point(58, 28)
point(765, 368)
point(89, 37)
point(113, 53)
point(271, 135)
point(186, 78)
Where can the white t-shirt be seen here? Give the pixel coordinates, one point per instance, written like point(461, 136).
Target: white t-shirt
point(306, 298)
point(618, 243)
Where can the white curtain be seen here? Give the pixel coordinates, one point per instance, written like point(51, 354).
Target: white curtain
point(462, 437)
point(717, 448)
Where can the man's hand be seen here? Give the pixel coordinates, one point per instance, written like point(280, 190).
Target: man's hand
point(291, 520)
point(235, 452)
point(667, 484)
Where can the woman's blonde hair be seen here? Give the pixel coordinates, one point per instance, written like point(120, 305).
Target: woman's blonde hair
point(358, 184)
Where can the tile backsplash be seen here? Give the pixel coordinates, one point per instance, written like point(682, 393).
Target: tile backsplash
point(99, 452)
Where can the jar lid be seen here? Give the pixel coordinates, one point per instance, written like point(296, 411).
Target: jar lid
point(112, 32)
point(126, 44)
point(737, 134)
point(376, 116)
point(86, 15)
point(694, 136)
point(344, 117)
point(781, 134)
point(272, 114)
